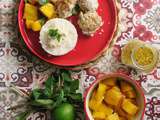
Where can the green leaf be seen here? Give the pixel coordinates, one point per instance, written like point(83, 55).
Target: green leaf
point(36, 93)
point(74, 85)
point(49, 87)
point(45, 103)
point(76, 97)
point(42, 2)
point(22, 116)
point(42, 21)
point(26, 1)
point(66, 76)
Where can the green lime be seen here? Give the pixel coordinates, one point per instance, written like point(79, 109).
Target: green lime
point(65, 111)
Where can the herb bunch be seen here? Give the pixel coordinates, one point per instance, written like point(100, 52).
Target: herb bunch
point(59, 88)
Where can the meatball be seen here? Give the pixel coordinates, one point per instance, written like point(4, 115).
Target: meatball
point(88, 5)
point(65, 7)
point(89, 22)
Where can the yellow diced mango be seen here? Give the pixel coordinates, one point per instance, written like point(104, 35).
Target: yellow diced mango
point(113, 117)
point(130, 94)
point(93, 104)
point(30, 12)
point(107, 110)
point(29, 23)
point(100, 92)
point(110, 81)
point(48, 10)
point(116, 88)
point(122, 118)
point(129, 107)
point(99, 115)
point(113, 97)
point(125, 86)
point(36, 26)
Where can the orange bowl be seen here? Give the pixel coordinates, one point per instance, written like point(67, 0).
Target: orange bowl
point(140, 95)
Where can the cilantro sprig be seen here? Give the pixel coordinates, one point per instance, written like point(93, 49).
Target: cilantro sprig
point(54, 33)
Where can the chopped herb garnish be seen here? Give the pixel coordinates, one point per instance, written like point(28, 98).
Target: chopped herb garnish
point(53, 33)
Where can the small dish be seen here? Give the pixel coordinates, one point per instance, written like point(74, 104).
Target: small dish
point(140, 95)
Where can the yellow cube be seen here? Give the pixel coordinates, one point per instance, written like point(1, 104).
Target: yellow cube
point(30, 12)
point(99, 115)
point(110, 81)
point(122, 118)
point(116, 88)
point(48, 10)
point(29, 23)
point(93, 104)
point(100, 92)
point(125, 86)
point(113, 117)
point(129, 107)
point(36, 26)
point(113, 97)
point(130, 94)
point(107, 110)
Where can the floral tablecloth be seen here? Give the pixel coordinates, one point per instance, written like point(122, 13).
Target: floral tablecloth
point(137, 19)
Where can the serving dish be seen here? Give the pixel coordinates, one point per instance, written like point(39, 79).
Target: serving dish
point(140, 95)
point(87, 49)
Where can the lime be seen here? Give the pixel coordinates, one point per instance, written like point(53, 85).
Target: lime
point(64, 111)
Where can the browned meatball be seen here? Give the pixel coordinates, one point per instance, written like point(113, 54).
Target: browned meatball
point(90, 22)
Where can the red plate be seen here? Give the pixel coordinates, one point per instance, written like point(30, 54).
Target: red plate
point(87, 49)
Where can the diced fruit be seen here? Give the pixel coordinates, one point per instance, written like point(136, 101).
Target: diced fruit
point(113, 117)
point(116, 88)
point(129, 117)
point(99, 115)
point(133, 101)
point(100, 92)
point(130, 94)
point(125, 86)
point(29, 23)
point(113, 97)
point(30, 12)
point(129, 107)
point(110, 81)
point(122, 118)
point(48, 10)
point(93, 104)
point(121, 112)
point(37, 25)
point(107, 110)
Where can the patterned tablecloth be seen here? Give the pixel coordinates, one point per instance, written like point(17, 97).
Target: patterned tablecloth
point(137, 19)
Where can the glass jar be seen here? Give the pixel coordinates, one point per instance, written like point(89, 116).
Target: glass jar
point(140, 55)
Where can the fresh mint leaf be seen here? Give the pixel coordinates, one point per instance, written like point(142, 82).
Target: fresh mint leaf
point(74, 85)
point(42, 102)
point(49, 87)
point(66, 75)
point(42, 2)
point(77, 97)
point(36, 93)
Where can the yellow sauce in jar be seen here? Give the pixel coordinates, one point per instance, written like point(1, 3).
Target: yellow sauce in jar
point(143, 56)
